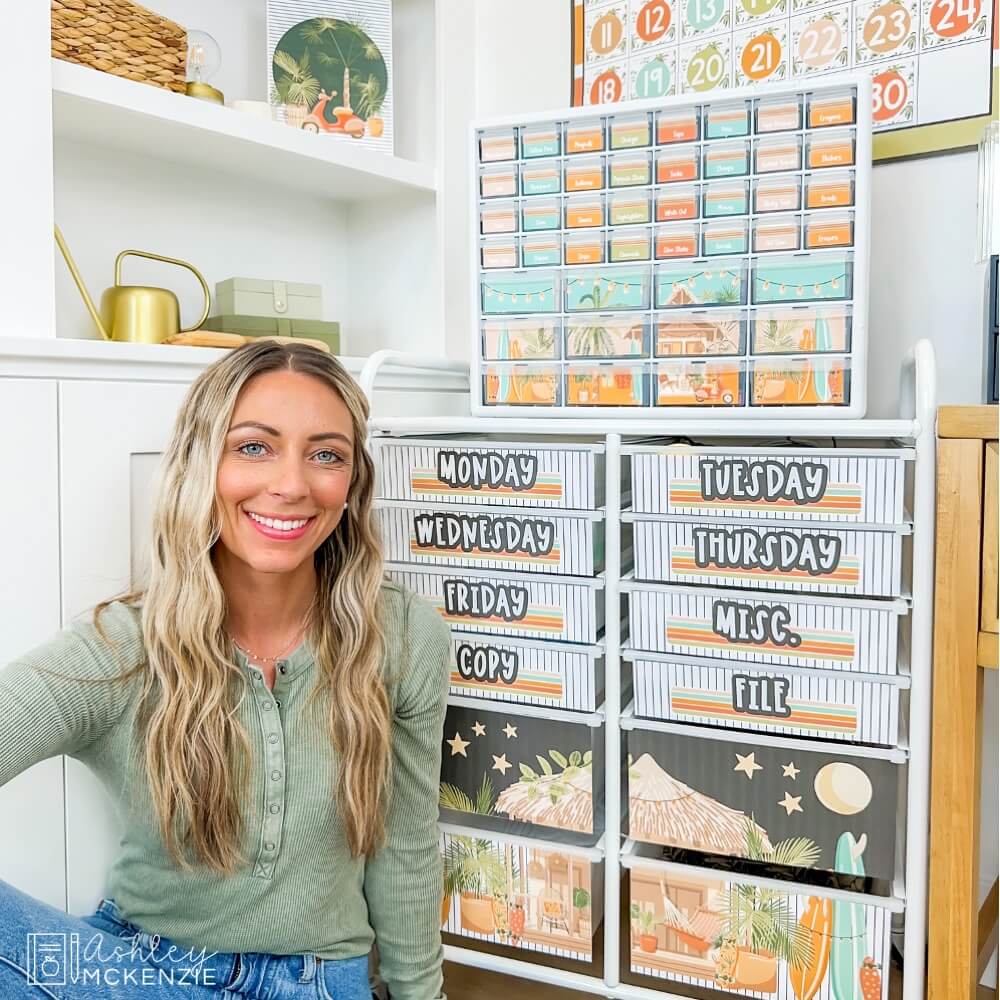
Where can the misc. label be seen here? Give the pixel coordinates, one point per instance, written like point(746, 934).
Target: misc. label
point(486, 664)
point(772, 551)
point(761, 695)
point(762, 479)
point(485, 599)
point(487, 470)
point(738, 622)
point(482, 533)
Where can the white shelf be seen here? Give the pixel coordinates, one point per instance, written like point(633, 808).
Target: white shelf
point(98, 108)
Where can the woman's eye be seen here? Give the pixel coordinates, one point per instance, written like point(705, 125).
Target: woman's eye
point(250, 444)
point(334, 458)
point(331, 461)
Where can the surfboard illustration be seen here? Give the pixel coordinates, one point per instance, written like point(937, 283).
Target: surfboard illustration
point(817, 921)
point(850, 940)
point(821, 365)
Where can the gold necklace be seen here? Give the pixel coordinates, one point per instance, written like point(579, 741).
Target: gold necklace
point(272, 659)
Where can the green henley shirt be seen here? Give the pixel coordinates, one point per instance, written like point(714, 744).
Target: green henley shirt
point(301, 892)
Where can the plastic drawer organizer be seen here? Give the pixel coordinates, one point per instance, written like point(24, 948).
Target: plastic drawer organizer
point(702, 254)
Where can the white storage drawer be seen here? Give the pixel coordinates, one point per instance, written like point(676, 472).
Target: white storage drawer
point(788, 629)
point(519, 604)
point(863, 485)
point(465, 470)
point(826, 704)
point(527, 671)
point(540, 540)
point(770, 555)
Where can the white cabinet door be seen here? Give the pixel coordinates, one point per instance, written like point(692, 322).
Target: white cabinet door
point(111, 437)
point(31, 806)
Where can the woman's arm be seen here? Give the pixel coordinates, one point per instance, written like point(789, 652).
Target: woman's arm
point(404, 881)
point(42, 715)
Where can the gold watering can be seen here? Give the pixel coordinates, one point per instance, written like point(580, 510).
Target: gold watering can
point(136, 313)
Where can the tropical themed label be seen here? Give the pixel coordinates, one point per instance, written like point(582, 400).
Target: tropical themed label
point(819, 330)
point(718, 932)
point(532, 770)
point(680, 286)
point(621, 288)
point(535, 292)
point(802, 279)
point(800, 382)
point(614, 336)
point(521, 385)
point(699, 383)
point(784, 808)
point(520, 339)
point(698, 333)
point(605, 385)
point(541, 899)
point(736, 696)
point(548, 674)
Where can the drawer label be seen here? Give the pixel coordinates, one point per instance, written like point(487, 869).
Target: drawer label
point(760, 625)
point(487, 473)
point(736, 479)
point(505, 604)
point(531, 539)
point(477, 664)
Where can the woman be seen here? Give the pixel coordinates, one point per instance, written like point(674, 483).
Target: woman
point(267, 712)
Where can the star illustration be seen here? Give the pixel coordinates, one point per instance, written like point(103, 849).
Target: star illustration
point(747, 765)
point(479, 729)
point(790, 803)
point(789, 770)
point(511, 731)
point(458, 745)
point(501, 763)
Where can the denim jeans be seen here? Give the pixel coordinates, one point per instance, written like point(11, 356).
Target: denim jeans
point(47, 954)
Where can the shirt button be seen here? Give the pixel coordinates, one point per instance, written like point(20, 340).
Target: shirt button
point(275, 775)
point(278, 703)
point(282, 668)
point(273, 738)
point(274, 808)
point(269, 846)
point(266, 705)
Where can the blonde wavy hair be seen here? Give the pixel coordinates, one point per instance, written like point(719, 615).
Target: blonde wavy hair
point(197, 754)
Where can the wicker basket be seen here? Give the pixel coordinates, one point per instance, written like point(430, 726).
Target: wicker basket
point(121, 38)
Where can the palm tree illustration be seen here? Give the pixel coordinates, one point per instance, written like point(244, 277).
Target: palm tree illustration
point(593, 340)
point(297, 85)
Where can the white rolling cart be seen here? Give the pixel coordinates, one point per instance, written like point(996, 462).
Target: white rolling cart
point(913, 428)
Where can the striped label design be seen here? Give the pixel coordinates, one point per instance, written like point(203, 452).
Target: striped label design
point(840, 498)
point(847, 573)
point(816, 715)
point(807, 644)
point(536, 618)
point(539, 684)
point(424, 482)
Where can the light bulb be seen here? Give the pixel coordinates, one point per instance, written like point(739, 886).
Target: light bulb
point(204, 57)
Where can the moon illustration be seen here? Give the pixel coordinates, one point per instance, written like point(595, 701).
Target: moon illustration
point(843, 788)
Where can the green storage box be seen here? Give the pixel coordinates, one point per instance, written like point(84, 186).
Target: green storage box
point(256, 297)
point(266, 326)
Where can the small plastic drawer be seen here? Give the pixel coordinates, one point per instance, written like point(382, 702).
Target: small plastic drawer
point(806, 630)
point(613, 335)
point(540, 140)
point(777, 153)
point(542, 541)
point(725, 120)
point(541, 250)
point(851, 794)
point(788, 483)
point(527, 671)
point(800, 381)
point(829, 229)
point(498, 217)
point(584, 248)
point(830, 190)
point(679, 912)
point(716, 332)
point(497, 144)
point(832, 107)
point(541, 214)
point(630, 169)
point(677, 125)
point(778, 114)
point(628, 131)
point(535, 896)
point(681, 285)
point(584, 174)
point(583, 211)
point(814, 329)
point(677, 239)
point(604, 289)
point(725, 237)
point(629, 244)
point(629, 208)
point(777, 232)
point(675, 202)
point(727, 159)
point(520, 384)
point(541, 177)
point(585, 135)
point(475, 734)
point(816, 704)
point(498, 181)
point(514, 339)
point(698, 383)
point(612, 384)
point(498, 252)
point(836, 149)
point(524, 292)
point(803, 278)
point(725, 198)
point(777, 194)
point(677, 163)
point(808, 557)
